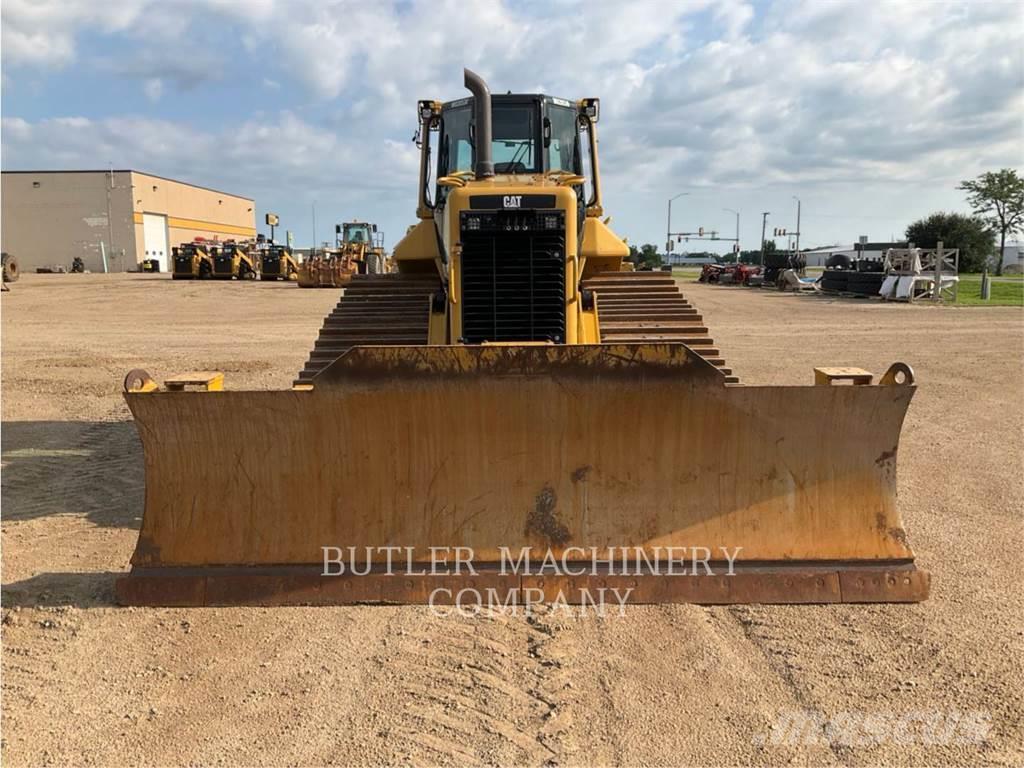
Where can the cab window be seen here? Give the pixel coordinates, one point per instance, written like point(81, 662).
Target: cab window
point(563, 149)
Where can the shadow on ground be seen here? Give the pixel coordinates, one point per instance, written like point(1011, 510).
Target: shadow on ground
point(85, 468)
point(81, 590)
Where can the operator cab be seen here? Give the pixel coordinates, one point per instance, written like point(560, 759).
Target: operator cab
point(356, 232)
point(531, 134)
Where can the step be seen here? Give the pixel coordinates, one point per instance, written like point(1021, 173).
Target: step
point(375, 318)
point(645, 301)
point(636, 338)
point(620, 280)
point(393, 329)
point(420, 305)
point(395, 280)
point(603, 308)
point(375, 313)
point(675, 327)
point(647, 317)
point(662, 306)
point(331, 352)
point(627, 285)
point(354, 339)
point(634, 290)
point(633, 306)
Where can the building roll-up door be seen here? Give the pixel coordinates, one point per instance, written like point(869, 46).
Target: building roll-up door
point(154, 231)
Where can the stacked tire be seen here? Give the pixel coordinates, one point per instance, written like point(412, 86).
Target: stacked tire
point(865, 283)
point(836, 280)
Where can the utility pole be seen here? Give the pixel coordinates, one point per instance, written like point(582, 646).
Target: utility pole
point(730, 210)
point(110, 221)
point(668, 223)
point(797, 223)
point(764, 223)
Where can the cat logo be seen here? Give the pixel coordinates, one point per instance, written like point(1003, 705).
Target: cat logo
point(512, 201)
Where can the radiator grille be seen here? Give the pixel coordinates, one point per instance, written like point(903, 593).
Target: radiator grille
point(513, 276)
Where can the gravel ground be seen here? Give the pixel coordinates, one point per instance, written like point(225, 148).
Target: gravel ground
point(86, 682)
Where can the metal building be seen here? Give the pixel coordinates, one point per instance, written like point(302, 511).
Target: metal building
point(112, 219)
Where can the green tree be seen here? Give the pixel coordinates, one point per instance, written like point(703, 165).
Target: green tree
point(971, 234)
point(644, 257)
point(998, 197)
point(769, 249)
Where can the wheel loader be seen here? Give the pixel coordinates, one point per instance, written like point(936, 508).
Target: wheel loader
point(231, 259)
point(355, 254)
point(191, 261)
point(512, 413)
point(277, 263)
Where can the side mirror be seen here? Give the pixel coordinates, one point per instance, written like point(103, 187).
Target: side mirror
point(591, 108)
point(374, 227)
point(337, 229)
point(547, 132)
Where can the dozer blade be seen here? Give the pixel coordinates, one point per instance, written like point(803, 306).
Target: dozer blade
point(566, 450)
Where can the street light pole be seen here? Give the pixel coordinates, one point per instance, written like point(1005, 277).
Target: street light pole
point(730, 210)
point(764, 223)
point(668, 221)
point(797, 223)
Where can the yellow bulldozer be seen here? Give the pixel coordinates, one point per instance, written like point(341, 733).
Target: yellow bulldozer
point(231, 259)
point(355, 253)
point(513, 400)
point(278, 263)
point(191, 261)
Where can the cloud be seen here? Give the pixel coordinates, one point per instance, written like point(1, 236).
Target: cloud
point(42, 33)
point(282, 151)
point(153, 88)
point(730, 99)
point(167, 64)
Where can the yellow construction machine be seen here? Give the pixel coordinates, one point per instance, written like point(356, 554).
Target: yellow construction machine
point(278, 263)
point(191, 261)
point(510, 389)
point(231, 259)
point(355, 253)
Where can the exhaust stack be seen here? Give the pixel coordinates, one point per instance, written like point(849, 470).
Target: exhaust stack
point(482, 117)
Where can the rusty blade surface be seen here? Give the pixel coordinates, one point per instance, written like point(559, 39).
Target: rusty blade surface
point(521, 446)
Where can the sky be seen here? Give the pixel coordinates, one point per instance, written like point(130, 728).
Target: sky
point(871, 113)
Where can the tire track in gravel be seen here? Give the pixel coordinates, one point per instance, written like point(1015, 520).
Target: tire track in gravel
point(783, 658)
point(478, 690)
